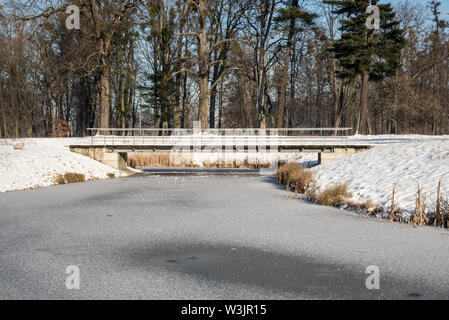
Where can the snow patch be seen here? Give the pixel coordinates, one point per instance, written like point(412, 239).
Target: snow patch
point(44, 158)
point(371, 174)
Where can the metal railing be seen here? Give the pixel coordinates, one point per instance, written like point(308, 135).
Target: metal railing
point(216, 137)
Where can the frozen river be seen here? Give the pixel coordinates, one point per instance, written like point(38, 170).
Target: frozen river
point(215, 237)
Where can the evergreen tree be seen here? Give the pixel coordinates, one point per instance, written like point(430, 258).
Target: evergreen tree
point(368, 53)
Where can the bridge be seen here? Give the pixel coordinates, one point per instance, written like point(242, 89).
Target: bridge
point(111, 145)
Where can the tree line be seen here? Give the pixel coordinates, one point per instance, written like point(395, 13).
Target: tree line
point(226, 63)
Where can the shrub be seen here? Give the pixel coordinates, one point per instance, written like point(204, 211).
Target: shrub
point(111, 175)
point(334, 195)
point(72, 177)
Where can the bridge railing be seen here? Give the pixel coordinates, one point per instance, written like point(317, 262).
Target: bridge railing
point(196, 136)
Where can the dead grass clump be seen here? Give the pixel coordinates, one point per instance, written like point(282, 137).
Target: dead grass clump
point(311, 193)
point(444, 213)
point(284, 172)
point(395, 212)
point(366, 208)
point(441, 215)
point(420, 215)
point(353, 205)
point(111, 175)
point(300, 179)
point(334, 195)
point(59, 179)
point(367, 205)
point(73, 177)
point(69, 177)
point(295, 178)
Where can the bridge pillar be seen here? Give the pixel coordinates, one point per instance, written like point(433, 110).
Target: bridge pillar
point(337, 153)
point(117, 160)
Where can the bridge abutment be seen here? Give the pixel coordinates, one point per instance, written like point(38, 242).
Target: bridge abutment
point(117, 160)
point(337, 153)
point(115, 155)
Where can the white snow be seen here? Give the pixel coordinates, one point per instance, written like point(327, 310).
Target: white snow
point(402, 160)
point(42, 159)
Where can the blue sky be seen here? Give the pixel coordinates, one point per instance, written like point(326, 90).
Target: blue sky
point(444, 5)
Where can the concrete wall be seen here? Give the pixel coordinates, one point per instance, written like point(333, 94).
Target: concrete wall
point(327, 156)
point(117, 160)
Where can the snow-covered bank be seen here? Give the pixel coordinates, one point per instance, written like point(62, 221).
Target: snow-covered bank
point(42, 159)
point(371, 174)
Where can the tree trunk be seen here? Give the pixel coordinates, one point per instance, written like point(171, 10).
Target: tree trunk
point(213, 95)
point(177, 122)
point(285, 71)
point(364, 103)
point(104, 99)
point(203, 69)
point(282, 95)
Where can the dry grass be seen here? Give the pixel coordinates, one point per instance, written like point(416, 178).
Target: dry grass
point(70, 177)
point(366, 208)
point(294, 177)
point(338, 195)
point(420, 215)
point(73, 177)
point(441, 215)
point(168, 159)
point(311, 193)
point(395, 213)
point(59, 179)
point(335, 195)
point(444, 213)
point(111, 175)
point(141, 159)
point(283, 172)
point(301, 180)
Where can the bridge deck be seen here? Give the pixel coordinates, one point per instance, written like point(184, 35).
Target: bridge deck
point(225, 143)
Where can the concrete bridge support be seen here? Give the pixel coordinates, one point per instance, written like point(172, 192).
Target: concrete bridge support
point(116, 156)
point(117, 160)
point(337, 153)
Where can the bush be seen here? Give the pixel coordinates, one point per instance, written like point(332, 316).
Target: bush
point(111, 175)
point(71, 177)
point(334, 195)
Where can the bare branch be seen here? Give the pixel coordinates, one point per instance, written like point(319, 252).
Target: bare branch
point(221, 77)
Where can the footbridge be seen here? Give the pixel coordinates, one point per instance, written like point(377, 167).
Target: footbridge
point(111, 146)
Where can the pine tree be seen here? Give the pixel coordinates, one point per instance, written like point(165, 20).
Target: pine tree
point(370, 54)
